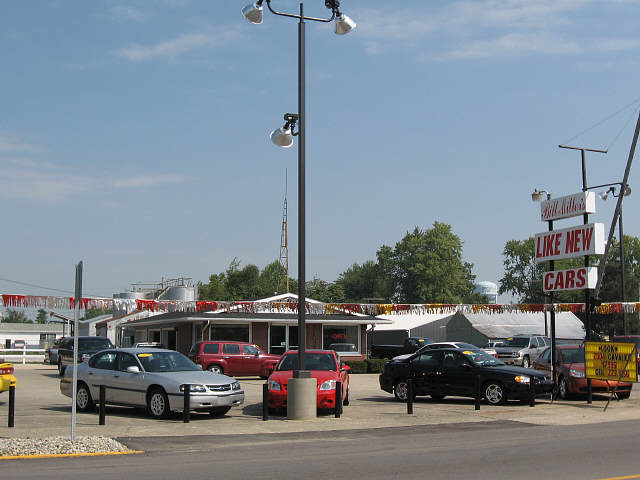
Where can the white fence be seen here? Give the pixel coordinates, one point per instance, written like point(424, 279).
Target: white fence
point(23, 355)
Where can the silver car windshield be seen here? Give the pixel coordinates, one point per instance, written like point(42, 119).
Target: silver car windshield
point(166, 362)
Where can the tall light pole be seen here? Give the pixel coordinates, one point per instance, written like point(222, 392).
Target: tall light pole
point(283, 138)
point(536, 196)
point(587, 300)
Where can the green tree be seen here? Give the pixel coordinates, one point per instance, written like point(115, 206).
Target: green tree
point(15, 316)
point(42, 316)
point(362, 282)
point(95, 312)
point(426, 266)
point(324, 291)
point(273, 279)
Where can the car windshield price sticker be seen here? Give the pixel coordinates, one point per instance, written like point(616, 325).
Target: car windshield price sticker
point(611, 361)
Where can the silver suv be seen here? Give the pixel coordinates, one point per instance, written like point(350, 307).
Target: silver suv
point(522, 349)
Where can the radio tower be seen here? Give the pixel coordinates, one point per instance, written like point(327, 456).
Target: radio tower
point(284, 237)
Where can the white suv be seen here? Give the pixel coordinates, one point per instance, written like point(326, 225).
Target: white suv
point(522, 349)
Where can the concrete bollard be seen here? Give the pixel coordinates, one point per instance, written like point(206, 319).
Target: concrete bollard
point(302, 396)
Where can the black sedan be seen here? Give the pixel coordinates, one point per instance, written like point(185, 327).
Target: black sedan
point(455, 371)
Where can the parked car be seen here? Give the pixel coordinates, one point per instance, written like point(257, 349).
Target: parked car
point(440, 345)
point(152, 378)
point(7, 378)
point(570, 373)
point(148, 345)
point(87, 346)
point(494, 344)
point(325, 366)
point(522, 349)
point(410, 345)
point(453, 371)
point(233, 358)
point(19, 344)
point(51, 353)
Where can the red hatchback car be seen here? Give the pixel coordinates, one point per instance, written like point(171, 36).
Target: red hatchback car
point(233, 358)
point(570, 373)
point(325, 366)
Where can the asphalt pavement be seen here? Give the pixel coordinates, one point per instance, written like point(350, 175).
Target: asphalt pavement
point(42, 411)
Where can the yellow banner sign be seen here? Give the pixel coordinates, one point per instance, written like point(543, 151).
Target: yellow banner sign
point(611, 361)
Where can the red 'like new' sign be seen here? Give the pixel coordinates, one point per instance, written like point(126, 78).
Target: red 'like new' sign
point(570, 242)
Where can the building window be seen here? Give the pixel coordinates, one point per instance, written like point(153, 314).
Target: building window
point(234, 333)
point(343, 339)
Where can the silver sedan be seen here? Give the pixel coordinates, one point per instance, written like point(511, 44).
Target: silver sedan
point(152, 378)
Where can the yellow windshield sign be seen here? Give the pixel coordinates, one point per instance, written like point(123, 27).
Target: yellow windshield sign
point(145, 354)
point(611, 361)
point(468, 352)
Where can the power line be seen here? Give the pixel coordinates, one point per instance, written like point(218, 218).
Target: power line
point(47, 288)
point(603, 120)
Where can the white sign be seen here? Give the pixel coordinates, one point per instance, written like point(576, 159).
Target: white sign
point(570, 242)
point(573, 279)
point(568, 206)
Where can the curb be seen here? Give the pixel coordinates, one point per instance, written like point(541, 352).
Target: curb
point(64, 455)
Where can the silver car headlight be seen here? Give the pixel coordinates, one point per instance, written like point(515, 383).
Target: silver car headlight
point(194, 388)
point(328, 385)
point(235, 386)
point(576, 373)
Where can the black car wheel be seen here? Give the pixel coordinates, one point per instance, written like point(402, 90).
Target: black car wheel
point(526, 363)
point(84, 402)
point(494, 393)
point(219, 411)
point(158, 403)
point(623, 395)
point(401, 390)
point(60, 368)
point(563, 389)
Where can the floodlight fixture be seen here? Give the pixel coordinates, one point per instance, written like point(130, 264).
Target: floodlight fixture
point(536, 195)
point(283, 136)
point(344, 24)
point(253, 12)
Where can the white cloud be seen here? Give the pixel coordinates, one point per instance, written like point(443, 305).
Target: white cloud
point(126, 12)
point(47, 182)
point(9, 143)
point(515, 43)
point(150, 180)
point(178, 46)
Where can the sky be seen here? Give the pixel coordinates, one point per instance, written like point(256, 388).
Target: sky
point(134, 135)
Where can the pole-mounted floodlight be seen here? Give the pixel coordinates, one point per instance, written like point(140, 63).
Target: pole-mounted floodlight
point(344, 24)
point(253, 12)
point(536, 195)
point(283, 136)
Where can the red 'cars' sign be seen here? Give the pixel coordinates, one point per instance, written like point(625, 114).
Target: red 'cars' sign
point(572, 279)
point(570, 242)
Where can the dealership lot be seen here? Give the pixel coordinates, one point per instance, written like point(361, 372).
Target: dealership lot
point(42, 411)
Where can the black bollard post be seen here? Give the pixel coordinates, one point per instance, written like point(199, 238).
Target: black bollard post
point(265, 402)
point(187, 403)
point(338, 403)
point(410, 397)
point(103, 395)
point(12, 405)
point(532, 392)
point(478, 393)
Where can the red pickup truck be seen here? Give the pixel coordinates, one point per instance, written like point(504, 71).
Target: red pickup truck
point(233, 358)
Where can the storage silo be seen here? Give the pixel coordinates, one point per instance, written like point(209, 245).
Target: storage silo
point(489, 290)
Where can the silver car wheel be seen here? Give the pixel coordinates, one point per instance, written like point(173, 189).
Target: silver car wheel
point(494, 393)
point(215, 369)
point(401, 390)
point(84, 402)
point(158, 404)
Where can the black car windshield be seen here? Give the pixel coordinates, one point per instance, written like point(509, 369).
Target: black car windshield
point(166, 362)
point(572, 355)
point(97, 343)
point(482, 359)
point(516, 342)
point(313, 361)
